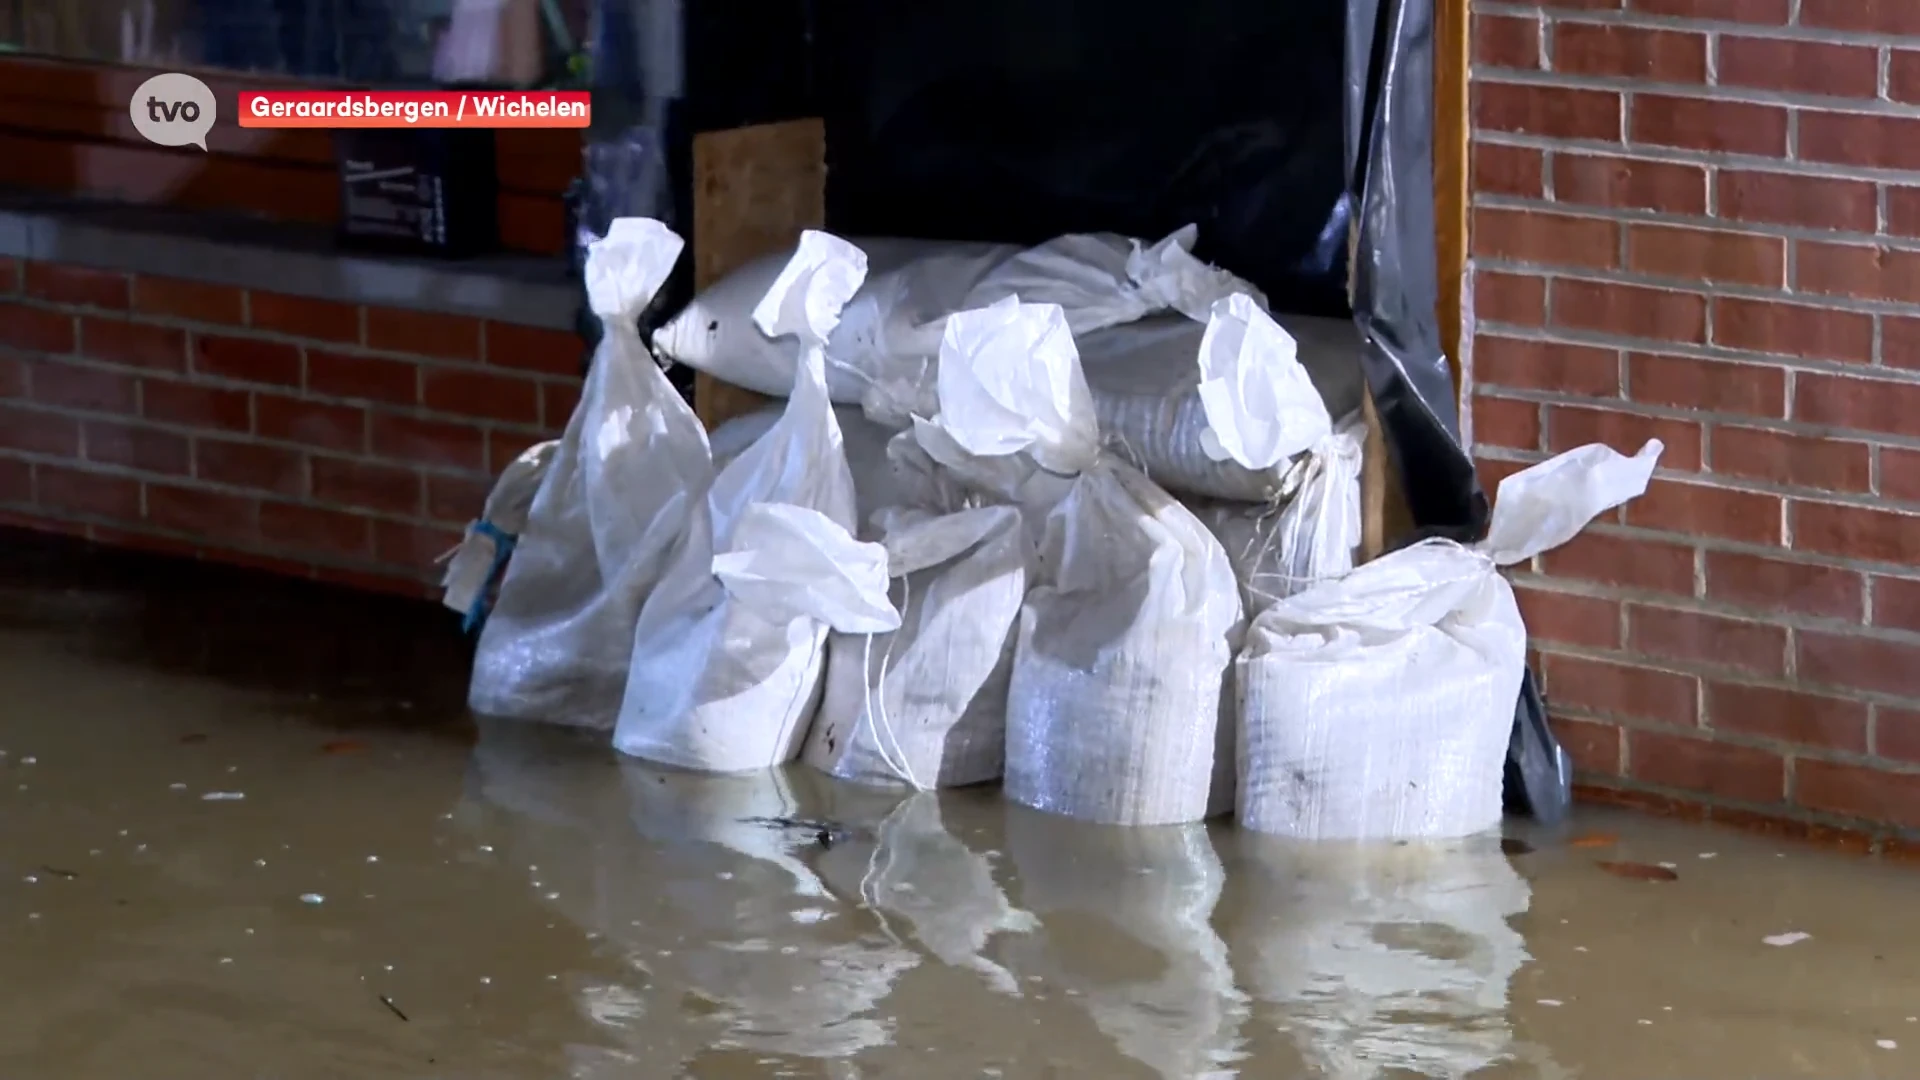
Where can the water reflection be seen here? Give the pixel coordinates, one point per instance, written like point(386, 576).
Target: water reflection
point(1380, 959)
point(771, 920)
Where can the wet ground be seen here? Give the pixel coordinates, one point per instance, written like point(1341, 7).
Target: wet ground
point(245, 831)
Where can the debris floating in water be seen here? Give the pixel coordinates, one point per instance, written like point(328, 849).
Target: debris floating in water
point(394, 1009)
point(223, 796)
point(1551, 1003)
point(176, 787)
point(1595, 840)
point(1794, 937)
point(1887, 1044)
point(1647, 1023)
point(1639, 871)
point(1709, 854)
point(486, 980)
point(312, 898)
point(373, 858)
point(1668, 866)
point(29, 760)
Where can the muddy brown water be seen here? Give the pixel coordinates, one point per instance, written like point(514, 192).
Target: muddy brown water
point(247, 831)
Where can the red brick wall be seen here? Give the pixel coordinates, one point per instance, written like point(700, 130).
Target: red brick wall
point(308, 437)
point(1700, 220)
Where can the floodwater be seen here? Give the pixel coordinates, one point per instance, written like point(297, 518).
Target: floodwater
point(245, 831)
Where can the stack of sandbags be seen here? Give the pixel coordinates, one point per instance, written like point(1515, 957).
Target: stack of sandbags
point(1378, 705)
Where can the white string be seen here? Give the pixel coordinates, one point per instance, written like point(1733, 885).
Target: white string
point(877, 719)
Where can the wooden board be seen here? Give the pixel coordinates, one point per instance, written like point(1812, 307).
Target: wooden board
point(755, 190)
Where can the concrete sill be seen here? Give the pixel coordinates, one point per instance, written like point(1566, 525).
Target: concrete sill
point(297, 260)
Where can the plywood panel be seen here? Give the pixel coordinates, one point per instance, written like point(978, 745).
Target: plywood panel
point(755, 189)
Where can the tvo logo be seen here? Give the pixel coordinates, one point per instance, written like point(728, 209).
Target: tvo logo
point(173, 109)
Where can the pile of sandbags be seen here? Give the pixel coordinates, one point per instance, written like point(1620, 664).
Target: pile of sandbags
point(1082, 518)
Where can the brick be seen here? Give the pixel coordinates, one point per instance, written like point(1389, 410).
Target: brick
point(192, 405)
point(247, 464)
point(1517, 299)
point(422, 333)
point(191, 301)
point(133, 344)
point(1863, 16)
point(540, 351)
point(1856, 270)
point(1776, 585)
point(1505, 422)
point(1896, 603)
point(1553, 111)
point(246, 359)
point(93, 494)
point(303, 317)
point(1896, 734)
point(1546, 239)
point(481, 394)
point(1695, 255)
point(132, 446)
point(210, 514)
point(1731, 127)
point(13, 378)
point(1594, 747)
point(141, 540)
point(1695, 637)
point(1629, 183)
point(1900, 473)
point(505, 446)
point(1490, 471)
point(16, 481)
point(1536, 365)
point(1569, 427)
point(1858, 791)
point(1767, 12)
point(1856, 662)
point(32, 329)
point(363, 378)
point(439, 443)
point(1784, 199)
point(1792, 460)
point(37, 431)
point(1856, 532)
point(1496, 170)
point(1805, 67)
point(1903, 211)
point(312, 530)
point(1742, 773)
point(1632, 52)
point(67, 385)
point(1882, 142)
point(1903, 76)
point(367, 486)
point(1699, 510)
point(78, 285)
point(310, 423)
point(412, 546)
point(1792, 329)
point(1878, 405)
point(1623, 562)
point(557, 404)
point(1631, 310)
point(1900, 342)
point(1569, 618)
point(1685, 383)
point(456, 499)
point(1507, 41)
point(1825, 723)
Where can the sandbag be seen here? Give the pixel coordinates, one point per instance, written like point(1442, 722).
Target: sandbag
point(1113, 709)
point(926, 705)
point(606, 516)
point(475, 564)
point(727, 656)
point(876, 483)
point(1379, 705)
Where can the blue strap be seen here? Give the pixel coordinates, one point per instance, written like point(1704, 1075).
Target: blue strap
point(502, 550)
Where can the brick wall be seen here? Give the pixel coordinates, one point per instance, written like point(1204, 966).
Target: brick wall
point(312, 438)
point(1699, 220)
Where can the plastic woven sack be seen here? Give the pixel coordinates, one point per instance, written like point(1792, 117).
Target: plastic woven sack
point(877, 484)
point(476, 563)
point(727, 656)
point(1114, 705)
point(1379, 705)
point(1104, 279)
point(607, 514)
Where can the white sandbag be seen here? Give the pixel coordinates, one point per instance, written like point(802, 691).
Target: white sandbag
point(608, 512)
point(877, 485)
point(899, 311)
point(1104, 279)
point(1378, 705)
point(1114, 705)
point(926, 705)
point(475, 563)
point(727, 656)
